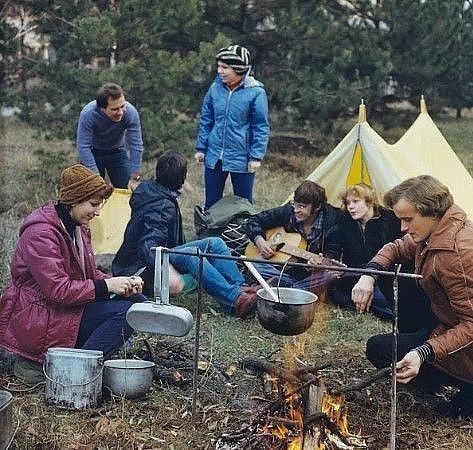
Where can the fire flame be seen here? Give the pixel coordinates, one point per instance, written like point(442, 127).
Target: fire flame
point(332, 405)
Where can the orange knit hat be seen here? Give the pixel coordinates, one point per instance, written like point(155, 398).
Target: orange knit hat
point(79, 183)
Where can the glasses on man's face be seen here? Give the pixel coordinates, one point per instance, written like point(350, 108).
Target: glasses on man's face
point(297, 205)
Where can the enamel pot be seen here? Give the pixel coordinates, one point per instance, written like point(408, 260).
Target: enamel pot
point(292, 314)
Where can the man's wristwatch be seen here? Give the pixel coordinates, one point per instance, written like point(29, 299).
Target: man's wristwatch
point(136, 178)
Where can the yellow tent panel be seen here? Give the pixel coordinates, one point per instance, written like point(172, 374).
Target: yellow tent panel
point(358, 172)
point(108, 228)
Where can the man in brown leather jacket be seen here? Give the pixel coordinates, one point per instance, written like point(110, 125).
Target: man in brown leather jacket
point(439, 239)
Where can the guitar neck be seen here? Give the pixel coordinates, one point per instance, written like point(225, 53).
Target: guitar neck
point(299, 253)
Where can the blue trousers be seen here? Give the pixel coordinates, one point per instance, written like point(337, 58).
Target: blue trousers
point(104, 327)
point(220, 277)
point(117, 165)
point(214, 179)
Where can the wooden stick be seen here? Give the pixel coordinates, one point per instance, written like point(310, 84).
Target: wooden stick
point(363, 383)
point(261, 281)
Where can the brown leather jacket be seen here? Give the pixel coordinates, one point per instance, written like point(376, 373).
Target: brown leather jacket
point(446, 265)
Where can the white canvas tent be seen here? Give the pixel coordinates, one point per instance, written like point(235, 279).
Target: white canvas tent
point(364, 156)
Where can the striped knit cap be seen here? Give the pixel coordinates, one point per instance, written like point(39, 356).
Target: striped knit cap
point(236, 56)
point(78, 183)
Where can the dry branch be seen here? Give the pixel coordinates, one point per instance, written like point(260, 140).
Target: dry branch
point(293, 376)
point(363, 383)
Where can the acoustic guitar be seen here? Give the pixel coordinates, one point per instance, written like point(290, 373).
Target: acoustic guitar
point(288, 246)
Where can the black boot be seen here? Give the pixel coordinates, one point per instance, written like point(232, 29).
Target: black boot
point(460, 405)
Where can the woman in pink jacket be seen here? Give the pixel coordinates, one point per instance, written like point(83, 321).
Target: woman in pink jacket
point(56, 296)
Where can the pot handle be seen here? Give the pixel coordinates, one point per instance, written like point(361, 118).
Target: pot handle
point(261, 281)
point(161, 276)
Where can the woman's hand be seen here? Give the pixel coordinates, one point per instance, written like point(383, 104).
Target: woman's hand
point(253, 165)
point(125, 286)
point(199, 157)
point(264, 248)
point(408, 368)
point(362, 293)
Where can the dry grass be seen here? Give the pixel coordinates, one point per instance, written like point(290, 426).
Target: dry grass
point(30, 166)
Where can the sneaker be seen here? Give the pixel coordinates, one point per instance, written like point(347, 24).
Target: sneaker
point(245, 304)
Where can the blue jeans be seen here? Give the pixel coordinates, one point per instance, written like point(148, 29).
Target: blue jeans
point(104, 327)
point(117, 164)
point(242, 183)
point(220, 277)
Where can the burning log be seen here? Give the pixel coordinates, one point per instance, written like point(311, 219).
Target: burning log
point(305, 416)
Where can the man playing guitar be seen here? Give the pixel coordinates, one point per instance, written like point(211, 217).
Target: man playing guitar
point(311, 217)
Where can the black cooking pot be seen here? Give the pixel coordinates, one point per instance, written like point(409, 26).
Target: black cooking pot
point(292, 315)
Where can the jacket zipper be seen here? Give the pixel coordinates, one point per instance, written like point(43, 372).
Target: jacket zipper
point(227, 107)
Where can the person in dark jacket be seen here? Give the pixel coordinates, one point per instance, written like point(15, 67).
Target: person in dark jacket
point(308, 214)
point(234, 127)
point(364, 228)
point(156, 222)
point(56, 296)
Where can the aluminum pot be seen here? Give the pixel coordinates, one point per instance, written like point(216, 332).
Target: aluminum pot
point(293, 314)
point(128, 377)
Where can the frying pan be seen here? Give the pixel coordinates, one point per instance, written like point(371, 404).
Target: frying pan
point(159, 316)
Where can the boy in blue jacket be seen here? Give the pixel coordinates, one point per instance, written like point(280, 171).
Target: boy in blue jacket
point(156, 221)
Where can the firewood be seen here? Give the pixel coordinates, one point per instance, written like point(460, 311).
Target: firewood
point(170, 376)
point(260, 365)
point(292, 376)
point(363, 383)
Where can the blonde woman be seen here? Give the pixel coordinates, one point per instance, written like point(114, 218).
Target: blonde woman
point(365, 227)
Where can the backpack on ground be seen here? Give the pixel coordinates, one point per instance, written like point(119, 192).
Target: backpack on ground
point(225, 219)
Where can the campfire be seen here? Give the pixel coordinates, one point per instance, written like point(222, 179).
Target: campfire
point(303, 415)
point(300, 413)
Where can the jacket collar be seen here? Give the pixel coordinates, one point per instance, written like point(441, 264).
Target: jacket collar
point(444, 235)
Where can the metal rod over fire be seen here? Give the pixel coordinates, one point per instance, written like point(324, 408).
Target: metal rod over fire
point(392, 441)
point(355, 271)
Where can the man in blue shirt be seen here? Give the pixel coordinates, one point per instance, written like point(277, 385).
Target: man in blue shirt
point(105, 125)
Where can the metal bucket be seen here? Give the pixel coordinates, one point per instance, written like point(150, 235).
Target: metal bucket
point(293, 314)
point(128, 377)
point(73, 378)
point(6, 417)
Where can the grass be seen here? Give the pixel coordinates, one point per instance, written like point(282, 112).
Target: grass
point(30, 165)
